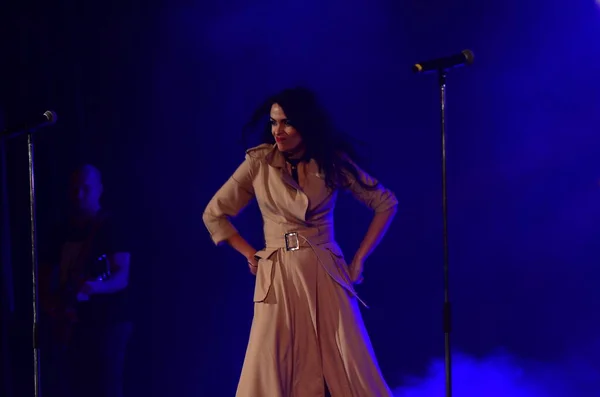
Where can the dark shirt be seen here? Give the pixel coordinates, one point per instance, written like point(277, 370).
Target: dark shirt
point(107, 238)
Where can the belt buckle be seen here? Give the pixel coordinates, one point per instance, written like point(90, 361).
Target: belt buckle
point(292, 243)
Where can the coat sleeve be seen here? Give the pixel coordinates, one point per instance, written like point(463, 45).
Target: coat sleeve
point(379, 199)
point(229, 201)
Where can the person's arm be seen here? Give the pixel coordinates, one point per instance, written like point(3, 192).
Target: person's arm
point(384, 204)
point(377, 229)
point(238, 243)
point(119, 276)
point(227, 203)
point(114, 238)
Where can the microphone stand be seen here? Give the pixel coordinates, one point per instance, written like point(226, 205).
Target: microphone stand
point(34, 257)
point(442, 65)
point(447, 315)
point(34, 269)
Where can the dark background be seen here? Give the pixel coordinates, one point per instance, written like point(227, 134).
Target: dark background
point(155, 95)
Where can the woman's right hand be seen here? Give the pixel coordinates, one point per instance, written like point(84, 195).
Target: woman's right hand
point(253, 264)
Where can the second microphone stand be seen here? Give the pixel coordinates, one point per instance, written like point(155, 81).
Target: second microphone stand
point(447, 314)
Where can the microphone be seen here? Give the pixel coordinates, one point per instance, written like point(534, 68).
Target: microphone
point(464, 58)
point(43, 120)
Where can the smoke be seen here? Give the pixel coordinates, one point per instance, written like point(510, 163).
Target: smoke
point(503, 375)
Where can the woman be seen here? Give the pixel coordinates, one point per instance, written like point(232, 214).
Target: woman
point(307, 325)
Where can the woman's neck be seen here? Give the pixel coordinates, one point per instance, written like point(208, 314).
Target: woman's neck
point(295, 154)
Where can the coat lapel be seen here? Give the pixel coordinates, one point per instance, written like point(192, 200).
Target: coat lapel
point(297, 201)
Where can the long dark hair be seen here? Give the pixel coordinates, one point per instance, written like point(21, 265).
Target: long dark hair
point(333, 151)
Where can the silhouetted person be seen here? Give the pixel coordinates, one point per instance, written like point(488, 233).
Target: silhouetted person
point(84, 279)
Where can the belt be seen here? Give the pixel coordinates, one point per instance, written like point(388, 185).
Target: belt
point(309, 238)
point(296, 239)
point(293, 241)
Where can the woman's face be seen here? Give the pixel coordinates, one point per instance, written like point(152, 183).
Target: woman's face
point(287, 137)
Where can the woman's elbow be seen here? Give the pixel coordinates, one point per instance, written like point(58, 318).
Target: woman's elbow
point(207, 217)
point(389, 212)
point(388, 206)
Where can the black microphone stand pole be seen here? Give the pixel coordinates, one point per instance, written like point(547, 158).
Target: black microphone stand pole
point(442, 67)
point(34, 268)
point(447, 316)
point(34, 255)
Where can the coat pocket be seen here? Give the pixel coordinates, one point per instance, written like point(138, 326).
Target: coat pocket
point(340, 269)
point(338, 258)
point(264, 275)
point(337, 253)
point(342, 275)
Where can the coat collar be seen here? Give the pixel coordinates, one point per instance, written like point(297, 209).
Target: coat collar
point(276, 159)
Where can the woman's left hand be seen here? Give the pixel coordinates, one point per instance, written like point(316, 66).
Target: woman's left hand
point(356, 270)
point(253, 264)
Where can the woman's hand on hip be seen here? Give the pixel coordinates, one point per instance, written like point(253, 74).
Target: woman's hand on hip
point(253, 264)
point(356, 270)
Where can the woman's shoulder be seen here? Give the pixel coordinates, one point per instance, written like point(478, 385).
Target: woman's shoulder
point(259, 152)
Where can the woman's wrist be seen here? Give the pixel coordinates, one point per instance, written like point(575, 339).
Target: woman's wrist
point(252, 260)
point(238, 243)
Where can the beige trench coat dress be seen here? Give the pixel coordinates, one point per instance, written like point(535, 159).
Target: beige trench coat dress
point(307, 325)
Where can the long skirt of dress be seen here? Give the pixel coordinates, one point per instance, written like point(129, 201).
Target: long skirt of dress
point(307, 329)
